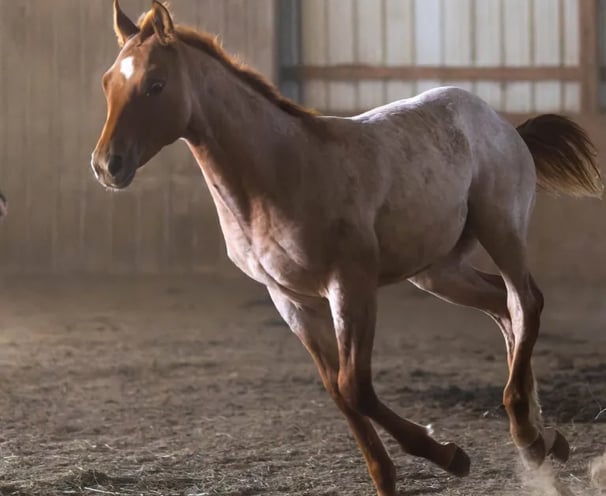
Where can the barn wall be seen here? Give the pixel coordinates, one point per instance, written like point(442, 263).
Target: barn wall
point(442, 33)
point(52, 56)
point(601, 21)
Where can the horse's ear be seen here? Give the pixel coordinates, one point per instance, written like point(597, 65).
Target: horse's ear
point(123, 26)
point(162, 23)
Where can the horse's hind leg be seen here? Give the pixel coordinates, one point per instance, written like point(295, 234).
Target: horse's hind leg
point(456, 281)
point(504, 240)
point(313, 326)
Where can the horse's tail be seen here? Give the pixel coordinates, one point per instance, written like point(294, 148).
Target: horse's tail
point(563, 155)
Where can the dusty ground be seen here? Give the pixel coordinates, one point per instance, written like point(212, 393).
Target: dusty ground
point(194, 387)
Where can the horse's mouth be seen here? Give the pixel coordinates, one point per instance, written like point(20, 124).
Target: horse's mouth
point(119, 183)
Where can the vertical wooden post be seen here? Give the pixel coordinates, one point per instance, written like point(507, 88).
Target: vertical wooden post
point(589, 56)
point(288, 45)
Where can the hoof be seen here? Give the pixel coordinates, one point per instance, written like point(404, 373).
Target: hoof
point(556, 445)
point(460, 463)
point(534, 455)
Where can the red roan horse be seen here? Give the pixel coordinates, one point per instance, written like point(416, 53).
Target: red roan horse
point(324, 210)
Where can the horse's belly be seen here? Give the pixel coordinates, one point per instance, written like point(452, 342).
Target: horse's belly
point(409, 243)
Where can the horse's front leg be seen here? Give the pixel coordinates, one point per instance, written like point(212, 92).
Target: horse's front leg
point(313, 325)
point(352, 296)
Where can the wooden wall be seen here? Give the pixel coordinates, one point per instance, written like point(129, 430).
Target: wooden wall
point(520, 55)
point(601, 22)
point(52, 56)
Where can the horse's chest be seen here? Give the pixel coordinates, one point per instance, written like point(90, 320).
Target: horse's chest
point(268, 259)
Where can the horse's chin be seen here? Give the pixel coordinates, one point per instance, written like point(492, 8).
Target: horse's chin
point(118, 184)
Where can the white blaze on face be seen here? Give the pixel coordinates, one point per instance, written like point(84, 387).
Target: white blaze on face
point(127, 67)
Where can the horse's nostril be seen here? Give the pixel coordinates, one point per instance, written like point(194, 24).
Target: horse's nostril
point(114, 166)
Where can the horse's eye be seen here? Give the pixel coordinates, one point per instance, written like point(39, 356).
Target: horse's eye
point(155, 88)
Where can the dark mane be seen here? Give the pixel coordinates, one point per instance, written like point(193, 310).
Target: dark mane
point(211, 45)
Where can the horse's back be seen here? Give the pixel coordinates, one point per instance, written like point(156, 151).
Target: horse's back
point(450, 140)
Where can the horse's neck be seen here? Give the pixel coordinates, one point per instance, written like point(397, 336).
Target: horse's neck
point(234, 136)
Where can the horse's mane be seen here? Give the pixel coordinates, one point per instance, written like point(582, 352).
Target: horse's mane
point(211, 45)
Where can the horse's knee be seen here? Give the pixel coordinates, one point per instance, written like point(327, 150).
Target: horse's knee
point(357, 393)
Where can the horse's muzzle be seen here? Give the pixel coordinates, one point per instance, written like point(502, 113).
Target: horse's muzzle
point(113, 173)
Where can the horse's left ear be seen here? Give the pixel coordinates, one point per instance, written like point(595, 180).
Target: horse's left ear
point(162, 23)
point(123, 26)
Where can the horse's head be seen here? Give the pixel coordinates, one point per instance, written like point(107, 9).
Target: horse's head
point(3, 206)
point(144, 89)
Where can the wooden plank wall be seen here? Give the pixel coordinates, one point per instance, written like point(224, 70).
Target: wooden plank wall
point(442, 33)
point(601, 22)
point(52, 56)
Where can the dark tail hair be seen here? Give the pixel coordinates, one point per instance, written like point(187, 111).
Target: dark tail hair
point(563, 155)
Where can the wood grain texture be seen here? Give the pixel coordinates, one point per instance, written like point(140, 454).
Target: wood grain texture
point(518, 55)
point(341, 50)
point(370, 21)
point(589, 59)
point(429, 39)
point(348, 72)
point(314, 48)
point(518, 96)
point(13, 237)
point(399, 45)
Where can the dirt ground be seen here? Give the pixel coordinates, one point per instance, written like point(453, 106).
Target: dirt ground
point(183, 386)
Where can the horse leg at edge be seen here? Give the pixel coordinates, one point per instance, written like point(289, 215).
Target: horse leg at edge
point(458, 282)
point(314, 328)
point(505, 244)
